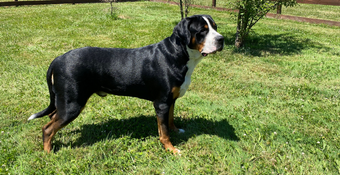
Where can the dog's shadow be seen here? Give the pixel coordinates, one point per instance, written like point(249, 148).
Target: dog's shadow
point(145, 126)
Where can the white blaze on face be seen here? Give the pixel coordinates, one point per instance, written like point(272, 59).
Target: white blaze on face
point(210, 44)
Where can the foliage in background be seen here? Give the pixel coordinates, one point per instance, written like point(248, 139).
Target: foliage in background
point(325, 12)
point(113, 10)
point(186, 4)
point(250, 12)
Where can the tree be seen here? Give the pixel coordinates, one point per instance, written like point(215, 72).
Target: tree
point(186, 4)
point(114, 14)
point(250, 12)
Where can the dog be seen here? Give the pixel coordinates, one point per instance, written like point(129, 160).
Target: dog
point(160, 73)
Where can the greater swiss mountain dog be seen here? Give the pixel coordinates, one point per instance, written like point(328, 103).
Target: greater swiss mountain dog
point(159, 72)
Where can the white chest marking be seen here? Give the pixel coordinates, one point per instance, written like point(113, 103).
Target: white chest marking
point(194, 58)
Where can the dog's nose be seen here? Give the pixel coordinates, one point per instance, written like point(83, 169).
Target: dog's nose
point(220, 42)
point(220, 39)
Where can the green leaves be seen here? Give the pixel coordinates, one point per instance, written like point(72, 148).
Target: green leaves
point(250, 12)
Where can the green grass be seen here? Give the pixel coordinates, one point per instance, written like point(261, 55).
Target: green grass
point(269, 108)
point(326, 12)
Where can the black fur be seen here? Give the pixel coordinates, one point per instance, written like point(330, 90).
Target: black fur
point(149, 72)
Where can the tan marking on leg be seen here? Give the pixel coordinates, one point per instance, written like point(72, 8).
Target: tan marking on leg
point(171, 119)
point(52, 114)
point(159, 127)
point(49, 130)
point(165, 139)
point(175, 92)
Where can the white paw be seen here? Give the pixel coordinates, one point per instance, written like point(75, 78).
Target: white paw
point(181, 131)
point(178, 152)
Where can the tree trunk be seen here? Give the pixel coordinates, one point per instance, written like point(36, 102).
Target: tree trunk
point(238, 40)
point(279, 9)
point(186, 9)
point(181, 7)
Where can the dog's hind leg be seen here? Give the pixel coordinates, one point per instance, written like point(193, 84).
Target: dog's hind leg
point(67, 110)
point(50, 129)
point(59, 119)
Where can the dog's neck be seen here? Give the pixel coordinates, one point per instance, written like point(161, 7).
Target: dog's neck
point(194, 58)
point(194, 54)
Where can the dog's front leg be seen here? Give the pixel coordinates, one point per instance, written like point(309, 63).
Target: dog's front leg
point(171, 120)
point(162, 111)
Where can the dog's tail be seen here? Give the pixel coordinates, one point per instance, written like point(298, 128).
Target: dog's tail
point(51, 108)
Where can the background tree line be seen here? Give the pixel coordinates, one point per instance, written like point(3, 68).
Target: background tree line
point(249, 13)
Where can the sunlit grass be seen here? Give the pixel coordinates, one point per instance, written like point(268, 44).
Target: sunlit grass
point(327, 12)
point(271, 107)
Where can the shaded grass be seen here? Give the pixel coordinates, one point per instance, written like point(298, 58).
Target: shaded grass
point(271, 107)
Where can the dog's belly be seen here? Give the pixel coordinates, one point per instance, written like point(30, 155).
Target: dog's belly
point(101, 93)
point(142, 92)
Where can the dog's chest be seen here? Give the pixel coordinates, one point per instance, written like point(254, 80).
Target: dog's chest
point(191, 66)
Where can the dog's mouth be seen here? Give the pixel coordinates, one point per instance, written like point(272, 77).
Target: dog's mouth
point(212, 50)
point(206, 54)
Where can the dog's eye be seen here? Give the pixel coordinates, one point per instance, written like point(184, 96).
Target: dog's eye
point(214, 26)
point(203, 31)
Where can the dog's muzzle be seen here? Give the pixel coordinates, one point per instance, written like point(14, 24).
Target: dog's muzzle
point(218, 46)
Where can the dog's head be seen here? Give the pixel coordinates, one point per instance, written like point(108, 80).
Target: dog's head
point(199, 32)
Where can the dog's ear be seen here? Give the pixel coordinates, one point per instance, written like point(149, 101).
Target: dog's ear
point(182, 30)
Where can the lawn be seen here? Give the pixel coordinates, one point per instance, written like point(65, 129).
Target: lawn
point(326, 12)
point(271, 107)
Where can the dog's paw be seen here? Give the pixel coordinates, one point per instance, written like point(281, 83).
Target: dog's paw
point(181, 131)
point(172, 149)
point(177, 152)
